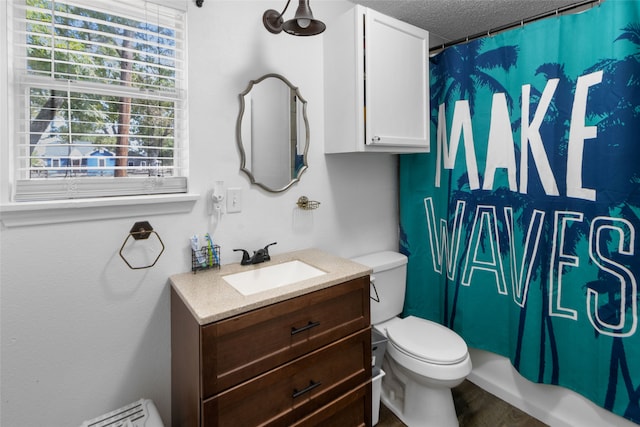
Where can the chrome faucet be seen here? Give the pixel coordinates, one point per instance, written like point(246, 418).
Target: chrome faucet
point(261, 255)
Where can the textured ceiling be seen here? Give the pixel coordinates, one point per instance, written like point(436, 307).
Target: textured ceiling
point(449, 20)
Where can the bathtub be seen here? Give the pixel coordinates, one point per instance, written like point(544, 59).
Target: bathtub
point(553, 405)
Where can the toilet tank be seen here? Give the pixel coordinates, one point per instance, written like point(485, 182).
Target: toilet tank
point(388, 283)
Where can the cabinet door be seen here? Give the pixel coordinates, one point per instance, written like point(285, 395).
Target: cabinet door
point(397, 83)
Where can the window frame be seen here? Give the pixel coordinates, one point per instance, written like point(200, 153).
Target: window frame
point(26, 214)
point(73, 188)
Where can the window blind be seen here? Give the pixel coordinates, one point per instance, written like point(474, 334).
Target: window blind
point(100, 96)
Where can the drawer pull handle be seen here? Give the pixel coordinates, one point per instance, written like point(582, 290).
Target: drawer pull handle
point(310, 387)
point(304, 328)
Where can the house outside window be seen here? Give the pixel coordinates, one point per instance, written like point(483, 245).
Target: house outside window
point(99, 95)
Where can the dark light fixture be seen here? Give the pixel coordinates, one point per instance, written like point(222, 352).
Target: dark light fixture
point(303, 23)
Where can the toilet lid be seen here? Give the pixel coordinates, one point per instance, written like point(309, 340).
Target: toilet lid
point(427, 341)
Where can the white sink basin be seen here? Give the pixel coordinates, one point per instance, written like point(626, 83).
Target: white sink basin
point(272, 276)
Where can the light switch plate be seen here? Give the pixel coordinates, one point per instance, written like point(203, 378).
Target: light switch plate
point(234, 200)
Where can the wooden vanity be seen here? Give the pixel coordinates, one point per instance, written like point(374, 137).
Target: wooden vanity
point(298, 355)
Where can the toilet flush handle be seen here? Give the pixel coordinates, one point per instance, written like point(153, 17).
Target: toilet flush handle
point(372, 281)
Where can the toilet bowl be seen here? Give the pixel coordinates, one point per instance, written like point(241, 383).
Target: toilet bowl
point(423, 360)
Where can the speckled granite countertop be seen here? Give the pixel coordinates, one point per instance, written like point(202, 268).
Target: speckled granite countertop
point(211, 298)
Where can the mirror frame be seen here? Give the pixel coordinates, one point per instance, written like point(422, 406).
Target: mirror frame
point(243, 156)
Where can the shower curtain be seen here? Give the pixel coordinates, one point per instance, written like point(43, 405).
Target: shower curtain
point(521, 225)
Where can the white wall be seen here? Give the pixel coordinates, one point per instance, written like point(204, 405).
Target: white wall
point(81, 333)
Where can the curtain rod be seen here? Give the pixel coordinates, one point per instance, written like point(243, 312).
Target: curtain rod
point(515, 24)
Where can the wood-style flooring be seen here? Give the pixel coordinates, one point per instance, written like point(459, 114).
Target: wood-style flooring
point(475, 408)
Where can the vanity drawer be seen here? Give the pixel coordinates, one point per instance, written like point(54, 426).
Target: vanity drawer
point(290, 393)
point(239, 348)
point(353, 410)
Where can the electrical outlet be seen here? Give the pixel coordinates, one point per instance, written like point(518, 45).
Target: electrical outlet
point(234, 200)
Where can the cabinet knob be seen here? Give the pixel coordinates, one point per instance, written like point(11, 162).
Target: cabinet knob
point(375, 139)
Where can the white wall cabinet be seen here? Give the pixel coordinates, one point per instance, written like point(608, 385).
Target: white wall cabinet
point(376, 72)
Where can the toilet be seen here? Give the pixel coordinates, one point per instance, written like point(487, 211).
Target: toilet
point(424, 360)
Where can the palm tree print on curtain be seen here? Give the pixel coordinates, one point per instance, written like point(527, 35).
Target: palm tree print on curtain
point(521, 225)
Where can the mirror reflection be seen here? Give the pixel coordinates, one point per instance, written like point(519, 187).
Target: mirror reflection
point(273, 133)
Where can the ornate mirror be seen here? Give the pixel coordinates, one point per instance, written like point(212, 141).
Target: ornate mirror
point(273, 133)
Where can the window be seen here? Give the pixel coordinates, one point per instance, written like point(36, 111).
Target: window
point(99, 99)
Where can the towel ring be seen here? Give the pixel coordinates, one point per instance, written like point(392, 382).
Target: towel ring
point(141, 231)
